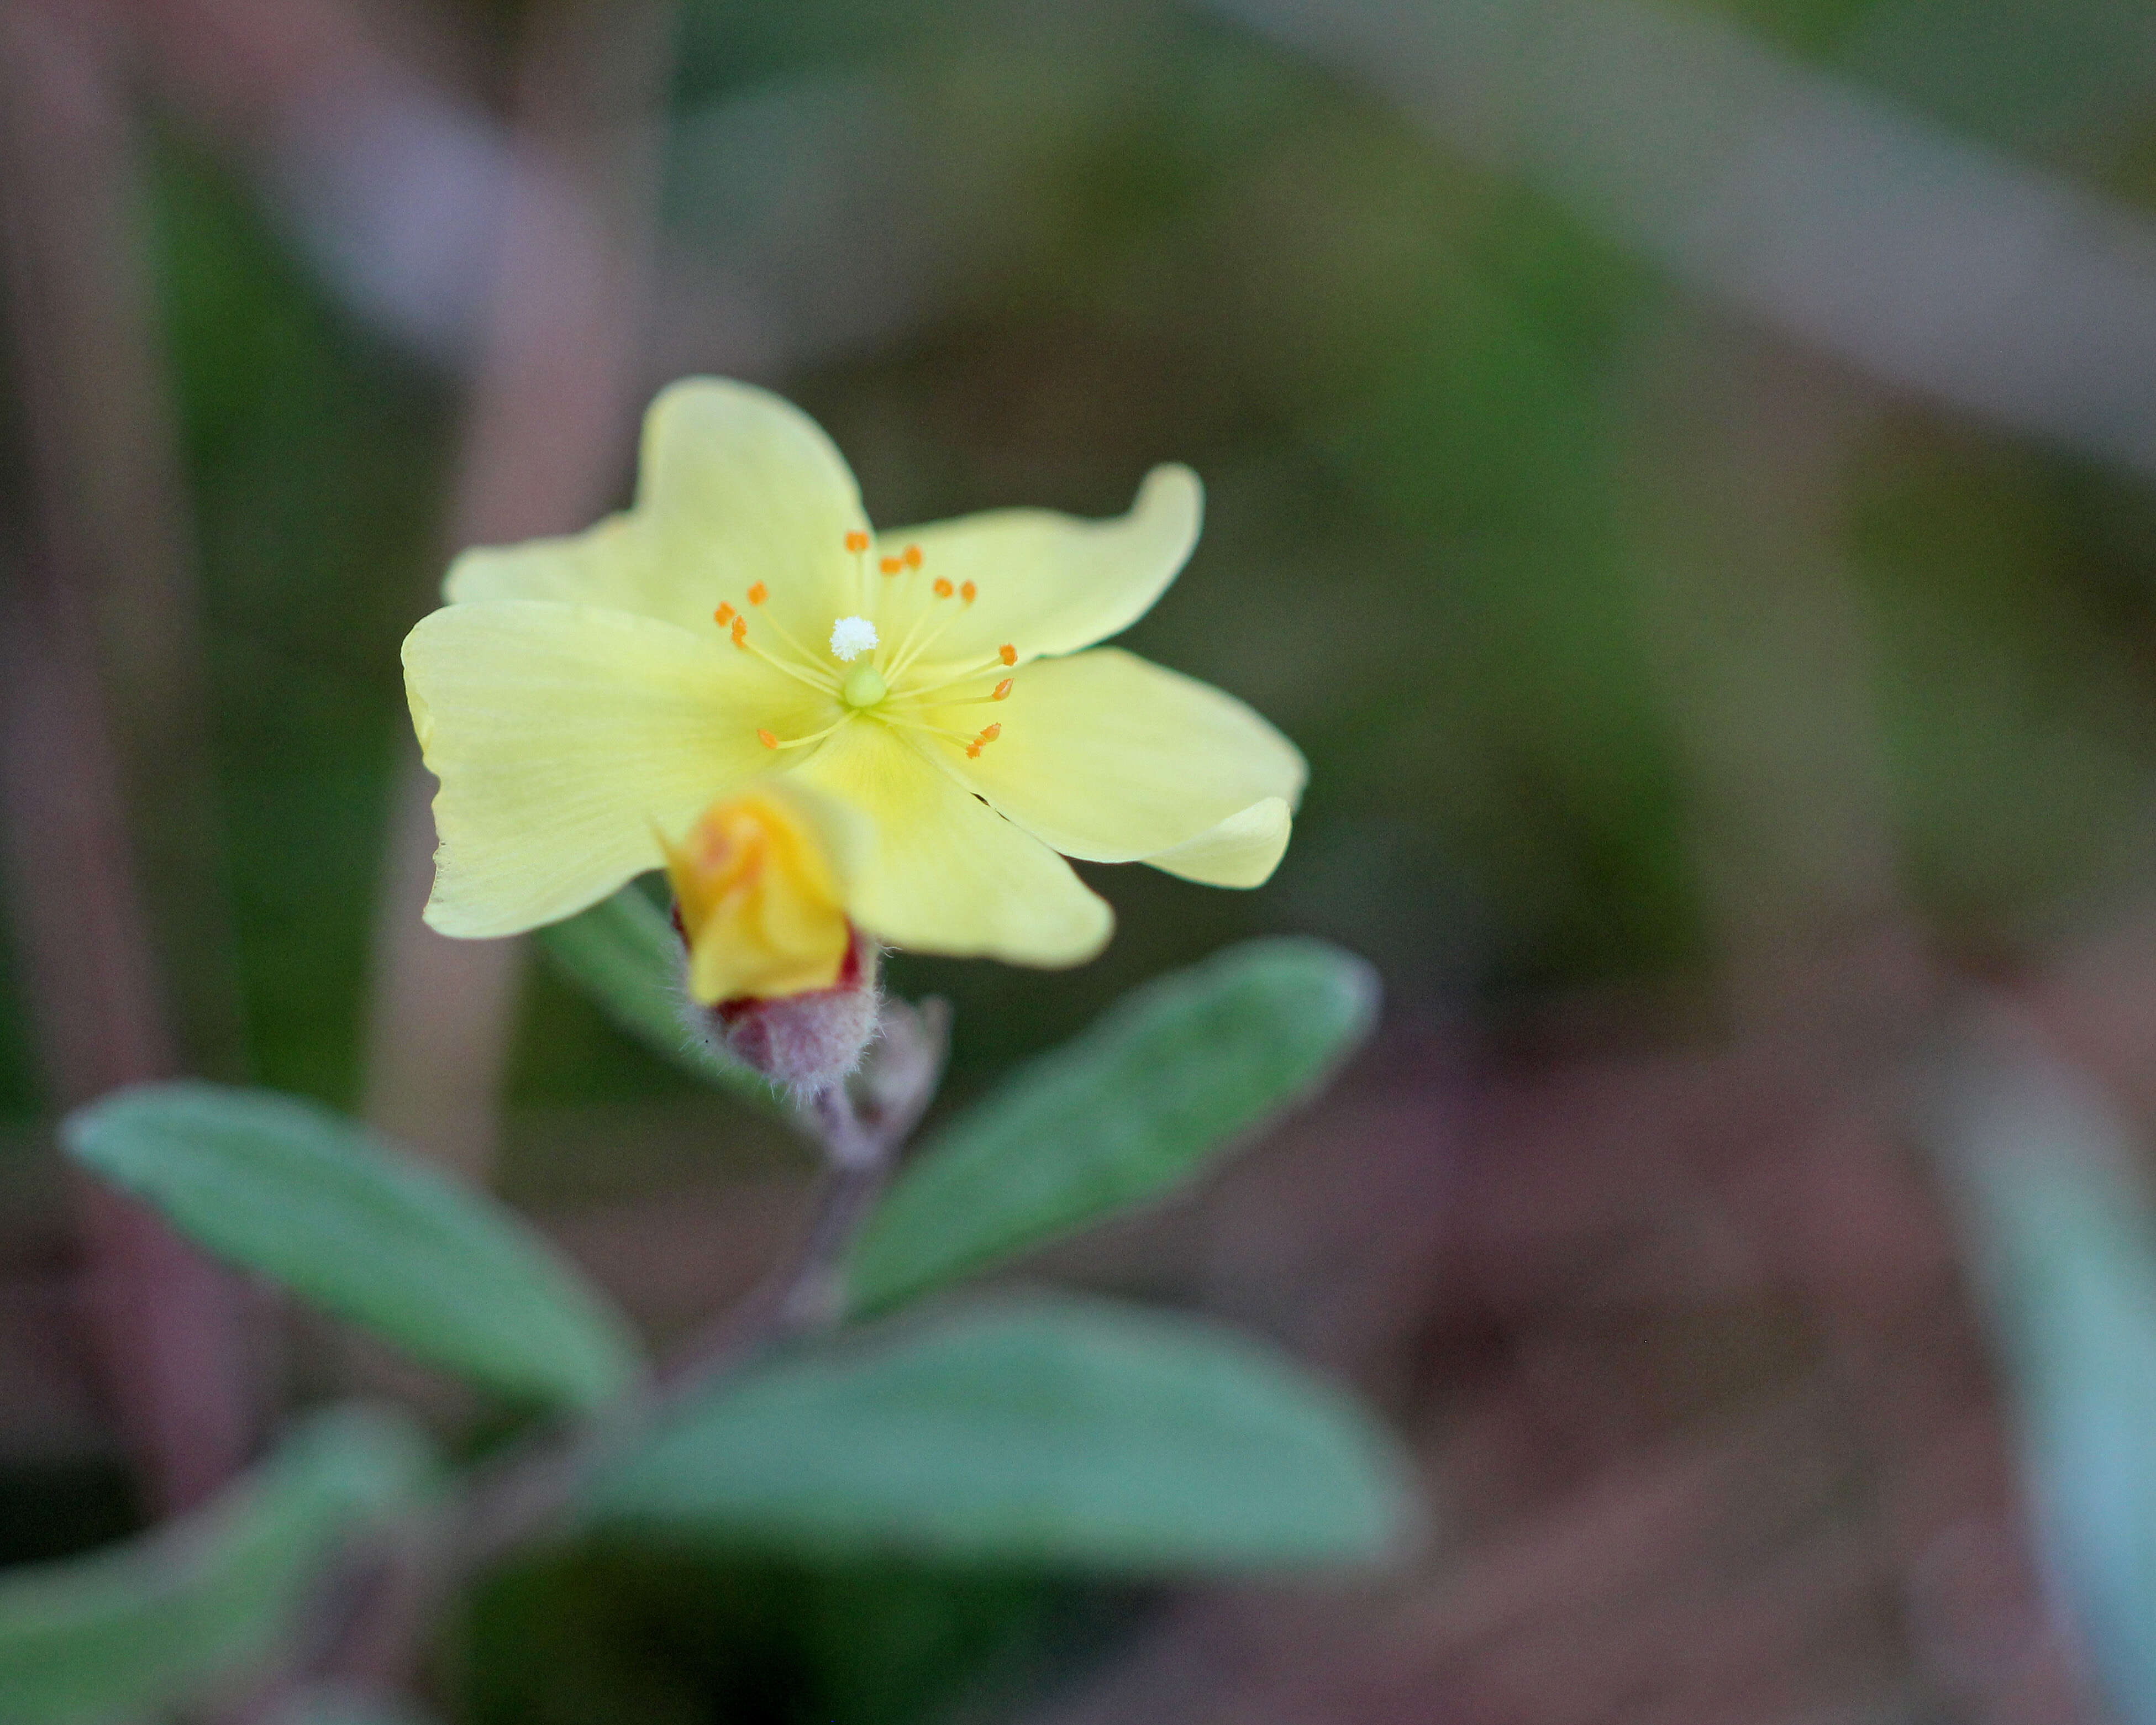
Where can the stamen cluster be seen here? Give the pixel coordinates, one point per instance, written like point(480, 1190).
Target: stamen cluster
point(878, 685)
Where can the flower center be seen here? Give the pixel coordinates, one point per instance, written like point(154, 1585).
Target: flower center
point(886, 674)
point(864, 686)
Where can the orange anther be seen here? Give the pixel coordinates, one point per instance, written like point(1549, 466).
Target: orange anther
point(1007, 654)
point(969, 593)
point(912, 557)
point(740, 632)
point(943, 589)
point(767, 739)
point(758, 594)
point(973, 751)
point(891, 565)
point(990, 733)
point(723, 615)
point(1003, 689)
point(857, 541)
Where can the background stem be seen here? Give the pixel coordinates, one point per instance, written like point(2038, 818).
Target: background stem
point(97, 535)
point(549, 420)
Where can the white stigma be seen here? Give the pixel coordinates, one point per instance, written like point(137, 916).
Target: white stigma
point(851, 637)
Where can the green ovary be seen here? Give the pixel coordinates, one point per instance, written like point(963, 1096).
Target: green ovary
point(864, 686)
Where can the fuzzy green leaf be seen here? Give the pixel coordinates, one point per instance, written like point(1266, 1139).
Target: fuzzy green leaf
point(1173, 1076)
point(1071, 1435)
point(289, 1190)
point(185, 1611)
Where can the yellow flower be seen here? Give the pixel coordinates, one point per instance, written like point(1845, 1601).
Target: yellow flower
point(586, 700)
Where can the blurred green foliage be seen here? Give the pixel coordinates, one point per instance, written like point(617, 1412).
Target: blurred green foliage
point(389, 1241)
point(125, 1632)
point(639, 1639)
point(1177, 1075)
point(316, 452)
point(2062, 1242)
point(1038, 1434)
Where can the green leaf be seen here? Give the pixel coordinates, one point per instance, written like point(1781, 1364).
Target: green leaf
point(1174, 1076)
point(1070, 1434)
point(623, 953)
point(2064, 1239)
point(286, 1188)
point(183, 1611)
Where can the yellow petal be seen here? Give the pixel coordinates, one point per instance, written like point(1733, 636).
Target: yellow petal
point(615, 565)
point(561, 734)
point(761, 898)
point(1109, 758)
point(740, 487)
point(1051, 583)
point(945, 874)
point(735, 486)
point(1242, 850)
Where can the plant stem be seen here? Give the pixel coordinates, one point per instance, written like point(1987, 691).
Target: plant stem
point(511, 1503)
point(94, 601)
point(380, 1615)
point(807, 1293)
point(550, 410)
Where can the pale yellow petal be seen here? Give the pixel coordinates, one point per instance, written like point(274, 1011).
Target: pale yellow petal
point(1109, 758)
point(1050, 583)
point(1242, 850)
point(615, 565)
point(946, 874)
point(562, 735)
point(736, 487)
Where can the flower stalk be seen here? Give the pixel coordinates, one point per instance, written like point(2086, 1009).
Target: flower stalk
point(375, 1609)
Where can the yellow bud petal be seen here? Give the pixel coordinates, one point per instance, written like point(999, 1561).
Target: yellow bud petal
point(760, 901)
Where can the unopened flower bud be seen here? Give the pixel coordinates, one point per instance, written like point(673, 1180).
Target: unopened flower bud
point(776, 971)
point(810, 1041)
point(759, 900)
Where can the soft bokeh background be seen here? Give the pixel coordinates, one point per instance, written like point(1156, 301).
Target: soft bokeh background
point(1683, 474)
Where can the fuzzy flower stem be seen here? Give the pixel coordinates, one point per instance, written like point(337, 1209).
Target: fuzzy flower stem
point(802, 1295)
